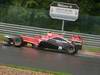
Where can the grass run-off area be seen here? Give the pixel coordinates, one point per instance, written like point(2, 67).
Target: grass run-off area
point(1, 38)
point(20, 70)
point(91, 48)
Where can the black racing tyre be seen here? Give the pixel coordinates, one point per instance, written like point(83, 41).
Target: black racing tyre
point(11, 42)
point(8, 42)
point(42, 45)
point(18, 41)
point(79, 47)
point(71, 50)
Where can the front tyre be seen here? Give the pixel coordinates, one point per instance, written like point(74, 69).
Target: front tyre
point(18, 41)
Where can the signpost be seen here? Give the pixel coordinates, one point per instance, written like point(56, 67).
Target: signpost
point(64, 11)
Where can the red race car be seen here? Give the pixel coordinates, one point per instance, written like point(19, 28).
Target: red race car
point(52, 41)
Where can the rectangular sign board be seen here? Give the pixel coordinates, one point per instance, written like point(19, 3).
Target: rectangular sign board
point(64, 13)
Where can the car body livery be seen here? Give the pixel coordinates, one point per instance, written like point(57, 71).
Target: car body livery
point(52, 41)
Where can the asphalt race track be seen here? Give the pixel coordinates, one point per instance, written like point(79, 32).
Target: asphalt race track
point(77, 65)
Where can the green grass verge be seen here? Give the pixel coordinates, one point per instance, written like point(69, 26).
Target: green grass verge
point(91, 49)
point(1, 38)
point(37, 70)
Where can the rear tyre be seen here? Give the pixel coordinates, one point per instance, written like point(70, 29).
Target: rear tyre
point(71, 50)
point(79, 47)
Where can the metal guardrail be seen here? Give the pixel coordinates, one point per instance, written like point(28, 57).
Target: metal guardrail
point(91, 40)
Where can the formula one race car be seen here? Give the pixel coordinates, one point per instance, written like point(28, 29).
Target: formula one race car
point(50, 41)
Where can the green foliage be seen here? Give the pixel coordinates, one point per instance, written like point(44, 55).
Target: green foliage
point(30, 3)
point(86, 6)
